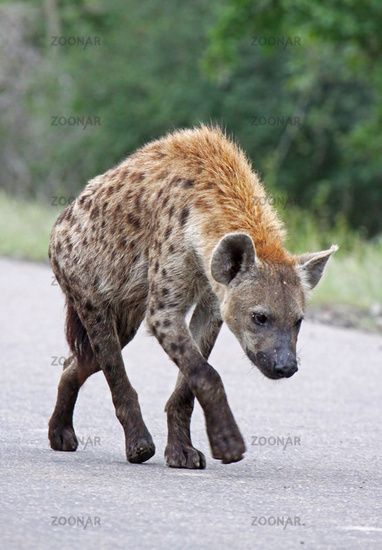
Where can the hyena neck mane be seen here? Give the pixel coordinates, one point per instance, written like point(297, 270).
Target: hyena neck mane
point(231, 197)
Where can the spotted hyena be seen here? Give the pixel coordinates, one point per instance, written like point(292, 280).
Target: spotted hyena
point(183, 221)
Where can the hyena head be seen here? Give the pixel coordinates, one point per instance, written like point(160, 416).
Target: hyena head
point(263, 304)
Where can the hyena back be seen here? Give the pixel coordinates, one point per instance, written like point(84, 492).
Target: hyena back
point(183, 221)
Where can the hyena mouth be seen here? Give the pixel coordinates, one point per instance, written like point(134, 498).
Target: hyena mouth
point(263, 365)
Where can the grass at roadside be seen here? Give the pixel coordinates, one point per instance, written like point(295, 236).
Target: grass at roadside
point(352, 278)
point(354, 273)
point(25, 228)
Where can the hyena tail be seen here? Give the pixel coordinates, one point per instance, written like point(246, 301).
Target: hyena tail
point(77, 337)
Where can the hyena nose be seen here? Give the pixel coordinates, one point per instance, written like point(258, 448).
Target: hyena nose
point(287, 370)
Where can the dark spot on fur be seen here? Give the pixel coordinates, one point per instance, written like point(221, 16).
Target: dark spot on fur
point(108, 367)
point(94, 213)
point(171, 248)
point(181, 348)
point(166, 323)
point(160, 193)
point(160, 305)
point(136, 177)
point(96, 348)
point(152, 311)
point(123, 173)
point(173, 346)
point(171, 211)
point(98, 318)
point(164, 272)
point(167, 233)
point(87, 203)
point(165, 291)
point(156, 267)
point(133, 220)
point(89, 306)
point(69, 212)
point(184, 215)
point(188, 183)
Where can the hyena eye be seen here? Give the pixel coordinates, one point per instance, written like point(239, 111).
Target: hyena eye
point(259, 319)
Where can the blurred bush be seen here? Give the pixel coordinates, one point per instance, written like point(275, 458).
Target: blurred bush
point(298, 84)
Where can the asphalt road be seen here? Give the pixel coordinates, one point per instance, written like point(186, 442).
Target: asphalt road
point(311, 477)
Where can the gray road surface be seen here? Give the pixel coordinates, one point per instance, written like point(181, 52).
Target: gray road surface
point(311, 477)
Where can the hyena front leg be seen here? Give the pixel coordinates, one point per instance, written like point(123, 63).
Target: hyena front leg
point(167, 322)
point(61, 432)
point(204, 326)
point(101, 329)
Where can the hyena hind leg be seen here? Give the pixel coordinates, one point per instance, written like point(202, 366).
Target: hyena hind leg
point(180, 453)
point(106, 343)
point(61, 432)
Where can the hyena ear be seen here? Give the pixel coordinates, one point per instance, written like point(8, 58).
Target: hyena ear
point(235, 252)
point(311, 266)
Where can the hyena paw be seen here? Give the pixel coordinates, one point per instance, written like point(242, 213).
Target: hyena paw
point(140, 449)
point(227, 444)
point(179, 455)
point(62, 438)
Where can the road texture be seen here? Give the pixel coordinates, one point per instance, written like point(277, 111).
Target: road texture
point(311, 477)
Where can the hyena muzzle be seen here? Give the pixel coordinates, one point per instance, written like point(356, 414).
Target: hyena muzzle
point(182, 222)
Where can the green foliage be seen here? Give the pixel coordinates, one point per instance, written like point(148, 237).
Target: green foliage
point(141, 81)
point(329, 70)
point(25, 227)
point(253, 67)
